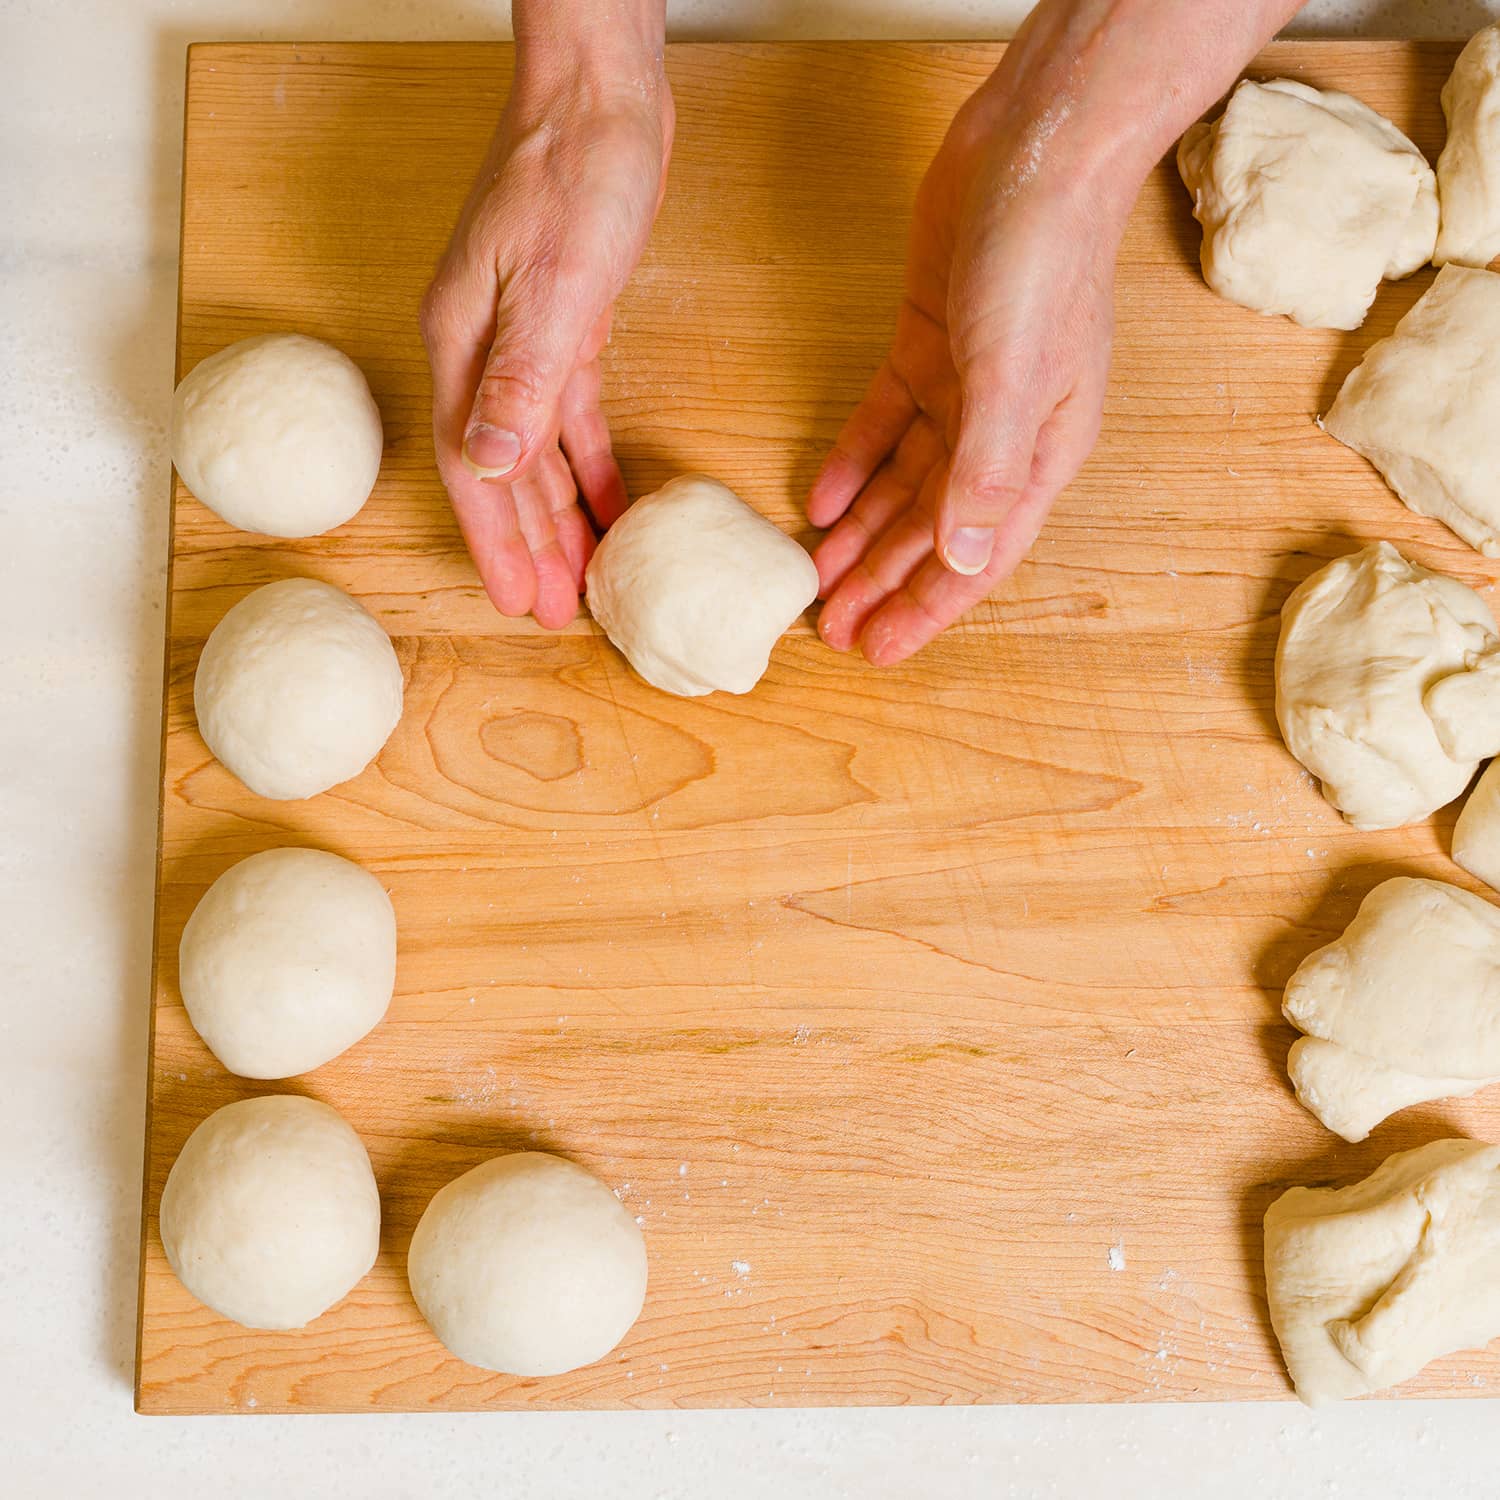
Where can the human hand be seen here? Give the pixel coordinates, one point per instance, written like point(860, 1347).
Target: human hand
point(519, 309)
point(990, 398)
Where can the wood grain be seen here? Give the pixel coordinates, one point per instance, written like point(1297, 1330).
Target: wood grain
point(892, 1001)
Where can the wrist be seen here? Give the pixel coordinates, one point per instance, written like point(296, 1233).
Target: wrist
point(562, 47)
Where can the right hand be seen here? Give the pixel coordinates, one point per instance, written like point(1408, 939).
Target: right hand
point(519, 309)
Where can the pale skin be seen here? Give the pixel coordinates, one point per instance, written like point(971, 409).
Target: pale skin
point(991, 396)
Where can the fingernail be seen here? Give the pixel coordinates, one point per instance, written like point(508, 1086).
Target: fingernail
point(968, 550)
point(491, 451)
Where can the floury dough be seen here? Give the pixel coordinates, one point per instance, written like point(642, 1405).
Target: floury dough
point(1476, 835)
point(1402, 1008)
point(297, 689)
point(1468, 171)
point(1387, 685)
point(289, 959)
point(695, 587)
point(1421, 406)
point(1369, 1283)
point(278, 434)
point(1308, 199)
point(528, 1265)
point(270, 1213)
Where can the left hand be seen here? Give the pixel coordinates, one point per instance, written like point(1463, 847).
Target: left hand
point(990, 398)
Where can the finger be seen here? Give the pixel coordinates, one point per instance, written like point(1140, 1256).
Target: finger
point(991, 466)
point(890, 561)
point(584, 435)
point(935, 596)
point(486, 512)
point(575, 535)
point(872, 431)
point(543, 322)
point(893, 488)
point(539, 498)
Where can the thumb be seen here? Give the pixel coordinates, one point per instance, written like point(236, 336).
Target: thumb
point(540, 332)
point(987, 476)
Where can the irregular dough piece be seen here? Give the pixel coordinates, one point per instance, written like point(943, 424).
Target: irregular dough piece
point(270, 1213)
point(289, 959)
point(1468, 171)
point(695, 588)
point(1404, 1006)
point(1307, 199)
point(1369, 1283)
point(1421, 406)
point(1476, 835)
point(297, 689)
point(528, 1265)
point(278, 434)
point(1362, 642)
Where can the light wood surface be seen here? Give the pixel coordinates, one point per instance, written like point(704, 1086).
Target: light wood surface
point(927, 1017)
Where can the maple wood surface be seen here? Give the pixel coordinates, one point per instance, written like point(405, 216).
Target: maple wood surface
point(927, 1017)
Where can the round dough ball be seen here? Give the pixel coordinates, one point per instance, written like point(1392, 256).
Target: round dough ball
point(695, 588)
point(289, 959)
point(1307, 199)
point(297, 689)
point(270, 1214)
point(528, 1265)
point(1364, 644)
point(278, 434)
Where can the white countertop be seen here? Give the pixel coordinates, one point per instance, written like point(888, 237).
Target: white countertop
point(91, 114)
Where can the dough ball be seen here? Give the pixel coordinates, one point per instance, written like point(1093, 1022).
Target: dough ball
point(528, 1265)
point(1476, 835)
point(1369, 1283)
point(289, 959)
point(297, 689)
point(278, 434)
point(695, 588)
point(1402, 1008)
point(1362, 641)
point(1421, 406)
point(270, 1214)
point(1468, 171)
point(1308, 199)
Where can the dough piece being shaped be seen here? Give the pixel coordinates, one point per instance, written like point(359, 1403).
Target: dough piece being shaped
point(1421, 406)
point(287, 961)
point(270, 1213)
point(278, 434)
point(1362, 642)
point(695, 588)
point(1308, 199)
point(528, 1265)
point(1476, 835)
point(1403, 1007)
point(1369, 1283)
point(1468, 171)
point(297, 689)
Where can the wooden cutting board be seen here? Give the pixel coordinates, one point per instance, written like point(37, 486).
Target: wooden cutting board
point(927, 1017)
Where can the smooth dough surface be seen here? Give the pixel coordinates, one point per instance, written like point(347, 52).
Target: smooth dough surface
point(1476, 835)
point(528, 1265)
point(695, 587)
point(297, 689)
point(270, 1213)
point(1403, 1007)
point(1370, 685)
point(289, 959)
point(1421, 406)
point(1369, 1283)
point(278, 434)
point(1468, 171)
point(1308, 199)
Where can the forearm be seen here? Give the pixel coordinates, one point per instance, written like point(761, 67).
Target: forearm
point(1100, 89)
